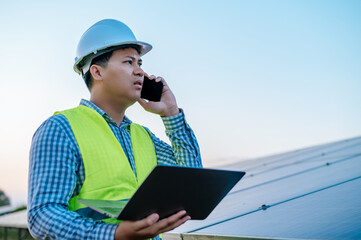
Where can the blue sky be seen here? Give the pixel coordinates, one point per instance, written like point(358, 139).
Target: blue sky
point(253, 77)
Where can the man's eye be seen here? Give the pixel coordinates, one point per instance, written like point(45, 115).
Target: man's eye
point(129, 61)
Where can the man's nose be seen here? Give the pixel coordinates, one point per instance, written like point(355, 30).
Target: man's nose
point(138, 71)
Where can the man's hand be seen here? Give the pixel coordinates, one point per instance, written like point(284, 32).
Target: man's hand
point(149, 227)
point(167, 106)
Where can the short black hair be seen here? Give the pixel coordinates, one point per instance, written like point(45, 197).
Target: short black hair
point(102, 60)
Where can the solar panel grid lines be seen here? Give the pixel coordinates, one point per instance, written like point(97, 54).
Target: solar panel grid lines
point(291, 169)
point(321, 152)
point(320, 158)
point(318, 190)
point(298, 173)
point(293, 178)
point(252, 199)
point(329, 213)
point(263, 208)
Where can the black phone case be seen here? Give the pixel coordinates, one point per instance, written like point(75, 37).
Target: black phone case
point(151, 90)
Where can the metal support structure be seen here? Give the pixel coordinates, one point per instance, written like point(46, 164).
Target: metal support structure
point(5, 233)
point(22, 233)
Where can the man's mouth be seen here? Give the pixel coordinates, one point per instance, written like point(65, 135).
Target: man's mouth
point(138, 82)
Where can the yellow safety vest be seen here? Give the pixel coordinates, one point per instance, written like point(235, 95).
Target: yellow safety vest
point(108, 174)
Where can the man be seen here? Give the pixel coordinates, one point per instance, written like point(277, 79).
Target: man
point(95, 151)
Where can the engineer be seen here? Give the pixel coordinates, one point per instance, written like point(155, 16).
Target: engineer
point(94, 151)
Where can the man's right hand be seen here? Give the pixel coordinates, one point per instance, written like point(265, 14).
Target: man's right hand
point(149, 227)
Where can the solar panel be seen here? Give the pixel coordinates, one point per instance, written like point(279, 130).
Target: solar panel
point(282, 179)
point(332, 213)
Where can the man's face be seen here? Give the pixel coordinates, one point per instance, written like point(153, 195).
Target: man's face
point(123, 76)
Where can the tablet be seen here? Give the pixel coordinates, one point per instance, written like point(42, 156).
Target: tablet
point(169, 189)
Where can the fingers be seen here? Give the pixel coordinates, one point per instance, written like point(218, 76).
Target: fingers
point(171, 224)
point(176, 224)
point(164, 223)
point(149, 227)
point(146, 222)
point(157, 79)
point(133, 229)
point(142, 102)
point(146, 75)
point(167, 224)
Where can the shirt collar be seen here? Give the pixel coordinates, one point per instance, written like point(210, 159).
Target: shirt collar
point(89, 104)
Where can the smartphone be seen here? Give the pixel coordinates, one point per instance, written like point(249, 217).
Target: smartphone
point(151, 90)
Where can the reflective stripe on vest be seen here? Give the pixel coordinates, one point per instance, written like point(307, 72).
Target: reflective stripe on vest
point(108, 174)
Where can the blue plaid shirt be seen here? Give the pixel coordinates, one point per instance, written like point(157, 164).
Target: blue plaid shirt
point(56, 173)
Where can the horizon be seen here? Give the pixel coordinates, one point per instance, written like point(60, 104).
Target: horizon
point(21, 201)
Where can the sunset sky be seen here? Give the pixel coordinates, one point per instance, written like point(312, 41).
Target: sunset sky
point(253, 77)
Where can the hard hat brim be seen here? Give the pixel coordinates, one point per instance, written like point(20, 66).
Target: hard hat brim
point(145, 48)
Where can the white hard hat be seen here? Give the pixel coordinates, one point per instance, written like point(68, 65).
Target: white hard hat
point(104, 36)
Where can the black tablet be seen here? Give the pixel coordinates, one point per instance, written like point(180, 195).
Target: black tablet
point(169, 189)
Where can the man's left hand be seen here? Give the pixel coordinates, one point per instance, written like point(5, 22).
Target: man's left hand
point(167, 106)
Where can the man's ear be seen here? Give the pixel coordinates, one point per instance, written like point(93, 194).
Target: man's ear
point(96, 72)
